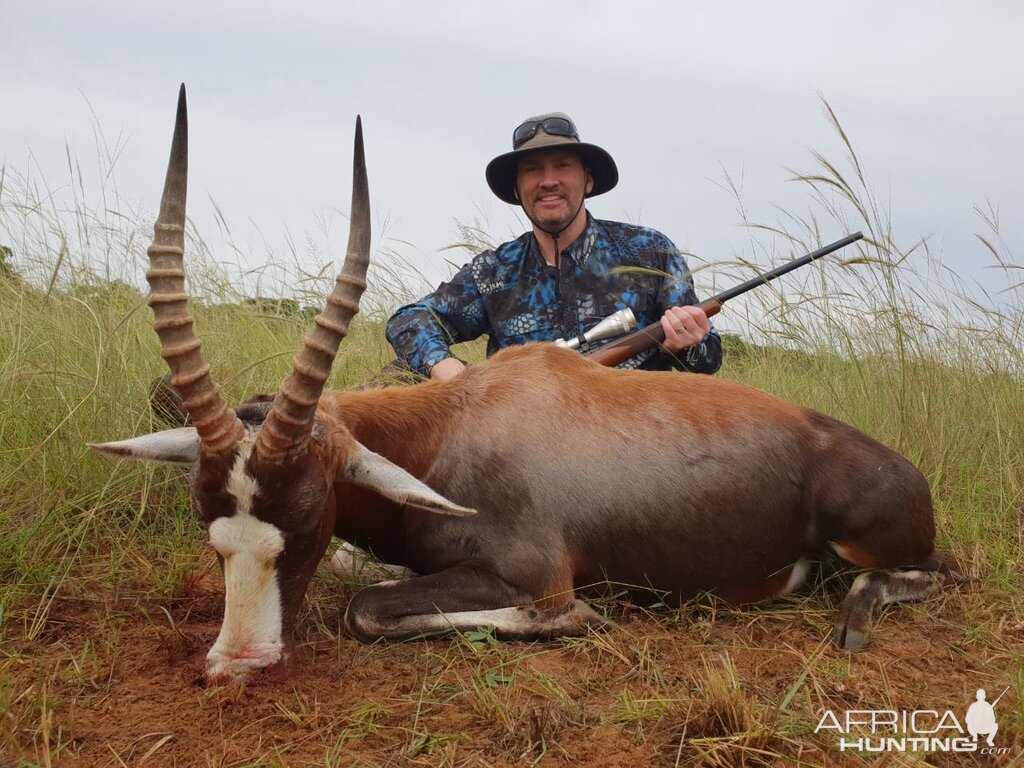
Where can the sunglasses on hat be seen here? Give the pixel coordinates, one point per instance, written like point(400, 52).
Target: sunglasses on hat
point(553, 126)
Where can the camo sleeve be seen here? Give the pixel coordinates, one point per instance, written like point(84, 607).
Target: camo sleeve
point(677, 289)
point(422, 332)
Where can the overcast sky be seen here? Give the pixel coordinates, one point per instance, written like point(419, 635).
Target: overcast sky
point(681, 94)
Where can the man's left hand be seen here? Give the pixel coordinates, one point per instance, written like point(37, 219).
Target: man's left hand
point(684, 327)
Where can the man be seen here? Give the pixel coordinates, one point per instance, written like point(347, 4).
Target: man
point(981, 718)
point(564, 276)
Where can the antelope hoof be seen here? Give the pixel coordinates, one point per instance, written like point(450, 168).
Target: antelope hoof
point(848, 639)
point(587, 618)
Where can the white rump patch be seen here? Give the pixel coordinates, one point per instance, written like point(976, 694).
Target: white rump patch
point(250, 637)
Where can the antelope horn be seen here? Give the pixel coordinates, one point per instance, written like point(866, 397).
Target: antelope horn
point(218, 426)
point(286, 431)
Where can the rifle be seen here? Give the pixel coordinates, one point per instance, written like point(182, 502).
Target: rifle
point(1000, 696)
point(649, 336)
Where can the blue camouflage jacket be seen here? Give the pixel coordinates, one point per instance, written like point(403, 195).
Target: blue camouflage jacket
point(512, 295)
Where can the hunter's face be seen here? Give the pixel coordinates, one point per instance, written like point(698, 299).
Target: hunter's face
point(551, 185)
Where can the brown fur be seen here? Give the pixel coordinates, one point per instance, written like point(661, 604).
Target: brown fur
point(666, 483)
point(671, 484)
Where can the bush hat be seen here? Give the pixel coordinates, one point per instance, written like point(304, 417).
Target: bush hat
point(554, 129)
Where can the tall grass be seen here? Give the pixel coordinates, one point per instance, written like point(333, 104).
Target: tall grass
point(883, 336)
point(892, 340)
point(77, 358)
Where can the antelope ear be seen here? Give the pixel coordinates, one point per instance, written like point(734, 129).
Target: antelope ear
point(373, 471)
point(172, 446)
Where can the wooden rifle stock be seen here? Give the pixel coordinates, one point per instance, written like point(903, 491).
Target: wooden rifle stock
point(634, 343)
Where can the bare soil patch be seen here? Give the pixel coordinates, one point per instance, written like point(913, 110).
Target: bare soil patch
point(112, 683)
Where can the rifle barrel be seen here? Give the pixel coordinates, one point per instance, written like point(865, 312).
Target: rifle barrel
point(631, 344)
point(789, 266)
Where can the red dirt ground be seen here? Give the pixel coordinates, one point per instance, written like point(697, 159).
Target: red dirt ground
point(113, 687)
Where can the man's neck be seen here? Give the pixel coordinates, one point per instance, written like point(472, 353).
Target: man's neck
point(546, 242)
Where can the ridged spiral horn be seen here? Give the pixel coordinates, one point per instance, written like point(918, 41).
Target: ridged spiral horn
point(218, 426)
point(285, 433)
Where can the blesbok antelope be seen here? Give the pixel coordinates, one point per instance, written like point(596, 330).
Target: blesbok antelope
point(530, 479)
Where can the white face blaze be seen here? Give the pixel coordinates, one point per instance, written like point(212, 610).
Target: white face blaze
point(250, 637)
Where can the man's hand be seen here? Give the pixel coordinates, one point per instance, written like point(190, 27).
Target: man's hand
point(448, 368)
point(684, 327)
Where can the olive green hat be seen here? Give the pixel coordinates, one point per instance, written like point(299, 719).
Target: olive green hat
point(555, 129)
